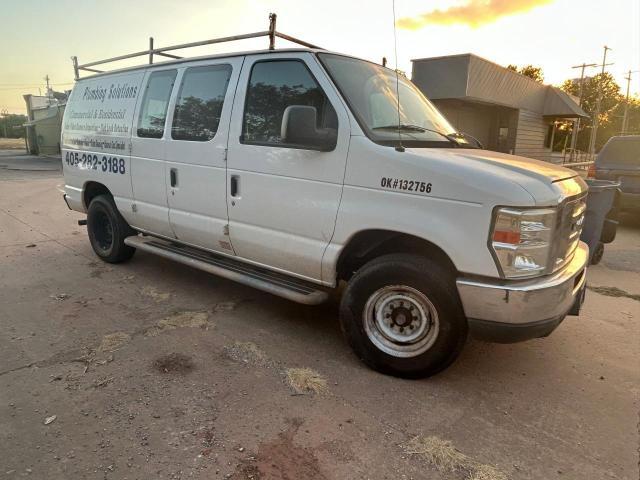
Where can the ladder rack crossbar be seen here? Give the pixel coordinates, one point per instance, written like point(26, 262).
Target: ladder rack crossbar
point(151, 51)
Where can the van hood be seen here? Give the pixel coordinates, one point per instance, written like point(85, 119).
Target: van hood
point(538, 169)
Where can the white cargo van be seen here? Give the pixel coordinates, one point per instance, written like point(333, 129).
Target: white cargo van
point(294, 170)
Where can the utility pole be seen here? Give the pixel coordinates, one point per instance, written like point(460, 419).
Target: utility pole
point(596, 116)
point(48, 94)
point(625, 118)
point(576, 124)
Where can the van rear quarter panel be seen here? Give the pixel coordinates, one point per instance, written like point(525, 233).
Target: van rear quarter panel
point(96, 137)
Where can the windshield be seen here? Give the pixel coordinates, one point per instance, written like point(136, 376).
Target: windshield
point(370, 90)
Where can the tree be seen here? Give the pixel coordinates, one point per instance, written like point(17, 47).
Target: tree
point(528, 71)
point(12, 124)
point(611, 107)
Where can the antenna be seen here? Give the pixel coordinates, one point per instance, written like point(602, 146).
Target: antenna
point(399, 147)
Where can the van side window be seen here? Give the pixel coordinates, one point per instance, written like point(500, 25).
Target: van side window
point(273, 86)
point(154, 104)
point(199, 104)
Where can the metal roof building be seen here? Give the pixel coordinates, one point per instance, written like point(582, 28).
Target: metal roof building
point(506, 111)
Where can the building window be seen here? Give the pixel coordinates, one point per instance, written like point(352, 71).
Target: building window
point(154, 104)
point(549, 135)
point(199, 105)
point(274, 85)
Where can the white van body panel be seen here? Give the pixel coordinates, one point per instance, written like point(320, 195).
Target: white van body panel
point(456, 204)
point(96, 138)
point(285, 213)
point(198, 203)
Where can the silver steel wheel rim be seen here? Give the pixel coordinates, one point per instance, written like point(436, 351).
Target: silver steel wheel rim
point(401, 321)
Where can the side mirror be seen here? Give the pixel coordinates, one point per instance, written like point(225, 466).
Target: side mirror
point(299, 128)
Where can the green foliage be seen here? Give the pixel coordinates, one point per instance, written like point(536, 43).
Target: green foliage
point(12, 125)
point(612, 105)
point(529, 71)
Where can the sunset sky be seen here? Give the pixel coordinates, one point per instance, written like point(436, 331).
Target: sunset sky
point(39, 37)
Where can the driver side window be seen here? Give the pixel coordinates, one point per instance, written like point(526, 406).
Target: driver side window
point(273, 86)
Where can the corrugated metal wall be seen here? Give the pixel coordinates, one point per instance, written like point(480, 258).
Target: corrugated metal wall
point(530, 136)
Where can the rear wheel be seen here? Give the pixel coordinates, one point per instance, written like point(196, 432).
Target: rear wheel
point(402, 316)
point(107, 230)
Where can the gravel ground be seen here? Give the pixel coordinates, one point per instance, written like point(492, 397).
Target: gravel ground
point(150, 369)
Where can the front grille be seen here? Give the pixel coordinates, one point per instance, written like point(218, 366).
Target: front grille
point(568, 229)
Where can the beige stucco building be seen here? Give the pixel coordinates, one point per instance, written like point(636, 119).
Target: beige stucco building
point(506, 111)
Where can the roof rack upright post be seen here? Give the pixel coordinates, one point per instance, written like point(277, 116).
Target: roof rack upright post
point(150, 50)
point(272, 31)
point(76, 73)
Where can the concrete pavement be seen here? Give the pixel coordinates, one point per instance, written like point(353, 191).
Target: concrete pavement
point(91, 344)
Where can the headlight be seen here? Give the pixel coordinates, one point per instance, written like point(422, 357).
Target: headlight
point(521, 240)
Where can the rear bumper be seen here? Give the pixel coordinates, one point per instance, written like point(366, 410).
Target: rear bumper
point(511, 311)
point(73, 198)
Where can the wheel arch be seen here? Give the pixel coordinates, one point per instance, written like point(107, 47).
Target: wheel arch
point(91, 190)
point(366, 245)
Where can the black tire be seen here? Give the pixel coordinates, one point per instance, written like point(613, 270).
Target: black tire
point(417, 275)
point(597, 254)
point(107, 230)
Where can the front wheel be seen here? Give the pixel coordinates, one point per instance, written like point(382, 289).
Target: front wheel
point(107, 230)
point(402, 316)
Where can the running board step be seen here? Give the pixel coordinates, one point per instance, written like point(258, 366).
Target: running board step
point(256, 277)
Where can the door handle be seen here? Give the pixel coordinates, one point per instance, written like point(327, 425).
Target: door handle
point(173, 174)
point(234, 188)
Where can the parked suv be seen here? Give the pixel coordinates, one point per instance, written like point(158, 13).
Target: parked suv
point(619, 160)
point(295, 170)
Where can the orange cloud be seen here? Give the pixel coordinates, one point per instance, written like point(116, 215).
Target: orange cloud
point(474, 13)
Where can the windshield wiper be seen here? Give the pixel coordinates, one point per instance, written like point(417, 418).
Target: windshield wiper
point(407, 127)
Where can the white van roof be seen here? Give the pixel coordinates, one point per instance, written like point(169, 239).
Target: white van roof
point(205, 57)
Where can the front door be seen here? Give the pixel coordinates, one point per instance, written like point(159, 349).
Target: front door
point(282, 199)
point(196, 153)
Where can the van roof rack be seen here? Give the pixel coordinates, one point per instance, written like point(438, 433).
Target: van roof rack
point(272, 33)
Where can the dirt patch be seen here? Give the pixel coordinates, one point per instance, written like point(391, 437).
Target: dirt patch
point(98, 272)
point(248, 353)
point(179, 320)
point(282, 459)
point(173, 363)
point(114, 341)
point(152, 292)
point(306, 380)
point(448, 459)
point(614, 292)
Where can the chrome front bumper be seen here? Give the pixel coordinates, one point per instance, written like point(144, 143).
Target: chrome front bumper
point(514, 310)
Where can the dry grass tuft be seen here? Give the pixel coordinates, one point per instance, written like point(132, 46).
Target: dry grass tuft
point(440, 453)
point(113, 341)
point(306, 380)
point(448, 459)
point(179, 320)
point(247, 352)
point(486, 472)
